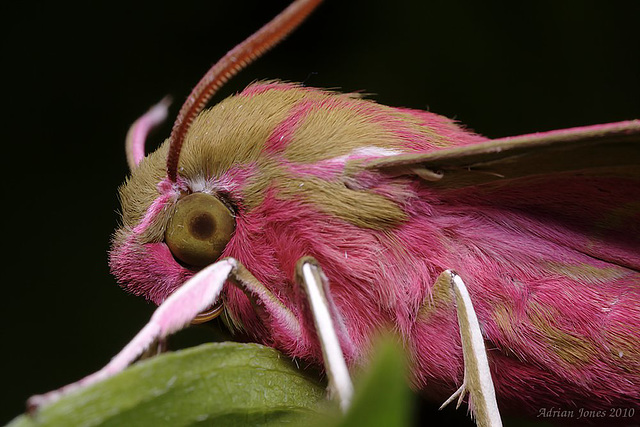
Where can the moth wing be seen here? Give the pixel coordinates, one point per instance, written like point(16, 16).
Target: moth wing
point(585, 179)
point(590, 149)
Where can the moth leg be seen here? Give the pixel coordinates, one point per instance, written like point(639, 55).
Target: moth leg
point(176, 312)
point(315, 284)
point(266, 304)
point(157, 347)
point(477, 376)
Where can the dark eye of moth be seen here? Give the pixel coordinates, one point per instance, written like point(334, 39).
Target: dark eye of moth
point(199, 230)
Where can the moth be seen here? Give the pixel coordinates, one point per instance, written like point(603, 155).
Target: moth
point(310, 219)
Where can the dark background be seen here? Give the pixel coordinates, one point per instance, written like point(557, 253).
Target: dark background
point(75, 76)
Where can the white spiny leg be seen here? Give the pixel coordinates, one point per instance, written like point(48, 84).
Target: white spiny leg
point(197, 294)
point(313, 282)
point(477, 376)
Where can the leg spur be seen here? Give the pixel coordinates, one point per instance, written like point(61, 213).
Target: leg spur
point(477, 376)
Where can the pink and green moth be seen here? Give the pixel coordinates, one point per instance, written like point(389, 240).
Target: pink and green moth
point(311, 219)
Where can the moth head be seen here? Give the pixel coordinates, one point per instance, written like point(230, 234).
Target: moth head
point(266, 176)
point(169, 230)
point(174, 224)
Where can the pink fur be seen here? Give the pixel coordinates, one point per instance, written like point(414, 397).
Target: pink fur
point(506, 245)
point(443, 126)
point(285, 130)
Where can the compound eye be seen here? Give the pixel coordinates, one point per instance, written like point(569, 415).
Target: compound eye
point(199, 230)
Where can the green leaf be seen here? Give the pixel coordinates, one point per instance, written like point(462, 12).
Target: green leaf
point(382, 396)
point(222, 384)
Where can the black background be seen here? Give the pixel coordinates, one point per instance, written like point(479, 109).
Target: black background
point(75, 76)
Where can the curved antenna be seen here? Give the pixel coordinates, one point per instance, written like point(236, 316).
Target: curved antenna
point(230, 64)
point(137, 134)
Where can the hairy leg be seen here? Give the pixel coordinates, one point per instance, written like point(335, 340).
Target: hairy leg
point(316, 287)
point(176, 313)
point(477, 376)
